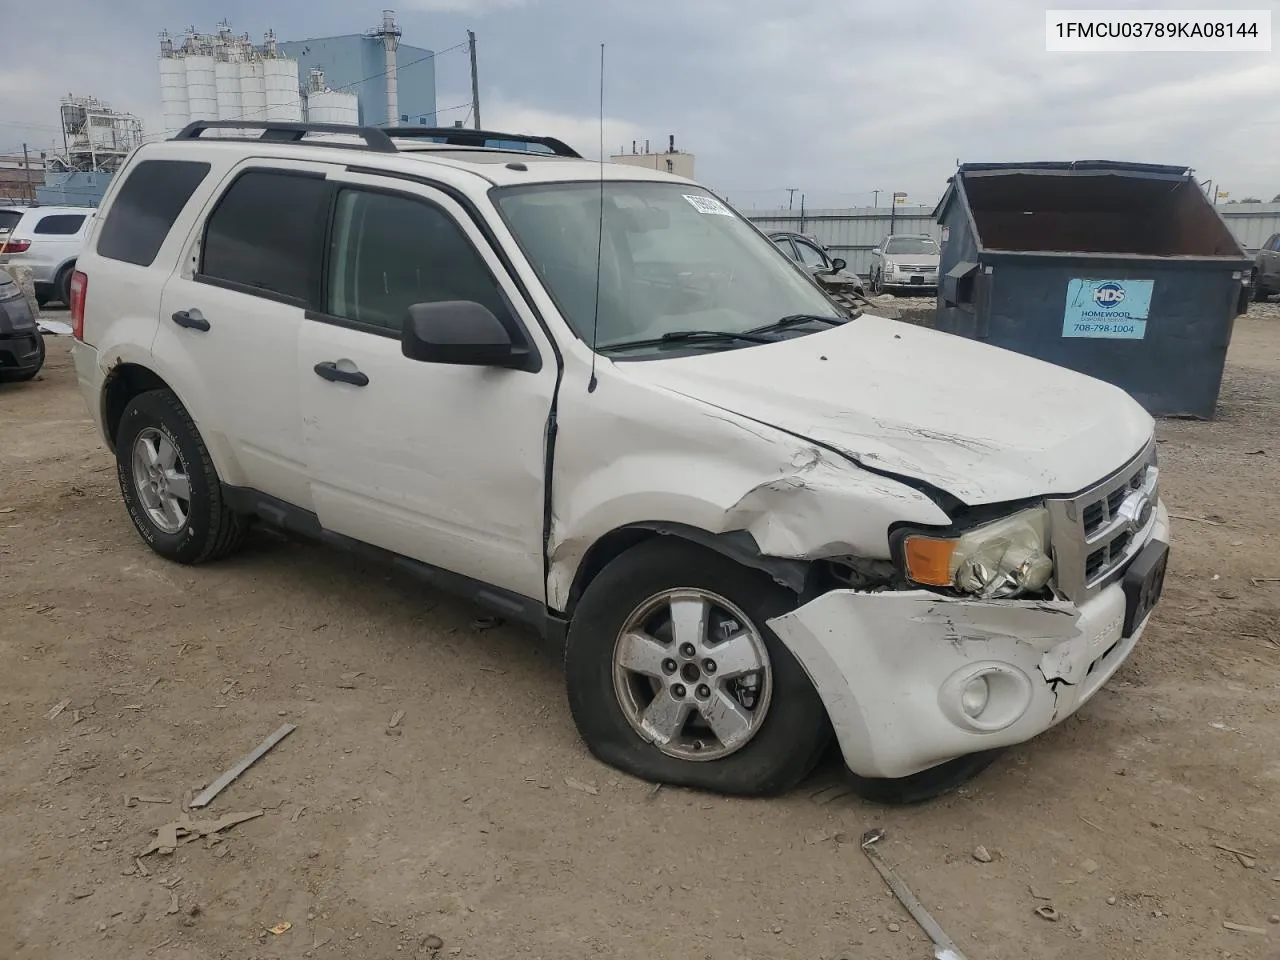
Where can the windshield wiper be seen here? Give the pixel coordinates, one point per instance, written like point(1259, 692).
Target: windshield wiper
point(696, 336)
point(795, 320)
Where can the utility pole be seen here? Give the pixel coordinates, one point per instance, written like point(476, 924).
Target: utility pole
point(26, 162)
point(802, 213)
point(791, 197)
point(475, 82)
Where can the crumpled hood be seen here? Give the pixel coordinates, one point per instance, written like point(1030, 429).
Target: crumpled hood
point(984, 424)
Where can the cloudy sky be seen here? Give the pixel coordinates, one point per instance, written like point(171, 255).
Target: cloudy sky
point(836, 99)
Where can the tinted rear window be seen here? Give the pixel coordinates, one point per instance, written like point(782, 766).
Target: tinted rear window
point(9, 219)
point(60, 224)
point(264, 234)
point(149, 202)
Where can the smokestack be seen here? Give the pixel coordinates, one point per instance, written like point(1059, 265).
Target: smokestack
point(671, 144)
point(633, 147)
point(391, 41)
point(646, 146)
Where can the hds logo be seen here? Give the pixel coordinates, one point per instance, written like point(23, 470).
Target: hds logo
point(1109, 294)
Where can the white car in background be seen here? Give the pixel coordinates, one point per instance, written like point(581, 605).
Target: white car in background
point(46, 240)
point(905, 262)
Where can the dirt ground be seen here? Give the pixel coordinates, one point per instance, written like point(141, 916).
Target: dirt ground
point(480, 827)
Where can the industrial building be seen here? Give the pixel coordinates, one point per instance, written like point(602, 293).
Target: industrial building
point(96, 140)
point(670, 161)
point(393, 83)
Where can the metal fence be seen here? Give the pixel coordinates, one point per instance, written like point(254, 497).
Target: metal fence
point(852, 234)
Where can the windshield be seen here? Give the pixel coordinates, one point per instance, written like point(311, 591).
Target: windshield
point(673, 259)
point(911, 245)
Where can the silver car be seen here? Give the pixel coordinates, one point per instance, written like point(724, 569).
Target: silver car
point(903, 262)
point(47, 241)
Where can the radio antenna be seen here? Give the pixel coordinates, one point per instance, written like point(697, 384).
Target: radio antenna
point(595, 320)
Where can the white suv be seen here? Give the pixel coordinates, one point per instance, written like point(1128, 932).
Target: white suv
point(47, 240)
point(755, 521)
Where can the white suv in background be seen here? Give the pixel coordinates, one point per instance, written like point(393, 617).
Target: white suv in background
point(754, 521)
point(47, 240)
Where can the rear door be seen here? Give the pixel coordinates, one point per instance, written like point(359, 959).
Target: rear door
point(56, 240)
point(442, 463)
point(231, 314)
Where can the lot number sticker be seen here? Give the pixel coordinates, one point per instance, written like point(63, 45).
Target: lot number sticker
point(1115, 309)
point(708, 205)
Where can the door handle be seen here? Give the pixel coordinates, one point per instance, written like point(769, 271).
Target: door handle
point(329, 370)
point(191, 319)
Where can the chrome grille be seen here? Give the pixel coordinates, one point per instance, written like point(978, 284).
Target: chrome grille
point(1096, 533)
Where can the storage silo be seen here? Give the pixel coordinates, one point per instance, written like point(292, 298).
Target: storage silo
point(281, 80)
point(227, 81)
point(333, 106)
point(202, 87)
point(253, 90)
point(173, 93)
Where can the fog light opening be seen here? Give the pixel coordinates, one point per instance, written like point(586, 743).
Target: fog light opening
point(974, 697)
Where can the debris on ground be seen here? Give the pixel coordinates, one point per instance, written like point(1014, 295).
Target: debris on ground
point(1247, 860)
point(283, 927)
point(184, 830)
point(206, 797)
point(1243, 928)
point(1047, 912)
point(132, 800)
point(982, 854)
point(944, 946)
point(430, 942)
point(57, 709)
point(582, 787)
point(395, 719)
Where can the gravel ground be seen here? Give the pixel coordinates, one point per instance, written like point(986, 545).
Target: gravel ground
point(479, 826)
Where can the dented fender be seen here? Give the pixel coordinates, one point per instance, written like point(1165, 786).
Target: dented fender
point(890, 668)
point(640, 456)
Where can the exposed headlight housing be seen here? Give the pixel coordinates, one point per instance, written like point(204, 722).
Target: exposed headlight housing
point(1006, 558)
point(890, 267)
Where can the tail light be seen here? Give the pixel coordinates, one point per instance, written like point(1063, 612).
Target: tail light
point(79, 289)
point(14, 246)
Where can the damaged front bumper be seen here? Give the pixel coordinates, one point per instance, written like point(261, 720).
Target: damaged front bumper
point(893, 668)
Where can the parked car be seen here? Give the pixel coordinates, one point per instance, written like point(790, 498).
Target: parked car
point(21, 344)
point(753, 522)
point(1266, 269)
point(904, 261)
point(831, 272)
point(48, 240)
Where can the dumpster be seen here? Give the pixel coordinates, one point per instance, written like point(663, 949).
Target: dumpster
point(1123, 271)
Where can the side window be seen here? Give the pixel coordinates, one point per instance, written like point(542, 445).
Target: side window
point(262, 235)
point(784, 244)
point(389, 252)
point(60, 224)
point(810, 255)
point(1275, 242)
point(148, 203)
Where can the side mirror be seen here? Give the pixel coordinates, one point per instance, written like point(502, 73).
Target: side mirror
point(837, 265)
point(460, 332)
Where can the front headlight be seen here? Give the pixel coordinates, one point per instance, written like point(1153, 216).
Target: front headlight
point(1006, 558)
point(890, 267)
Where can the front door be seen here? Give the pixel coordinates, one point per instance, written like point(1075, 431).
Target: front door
point(442, 463)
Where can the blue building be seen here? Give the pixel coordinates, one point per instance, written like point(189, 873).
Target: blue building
point(357, 64)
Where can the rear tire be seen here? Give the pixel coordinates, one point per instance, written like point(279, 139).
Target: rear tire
point(1260, 293)
point(778, 733)
point(169, 483)
point(62, 285)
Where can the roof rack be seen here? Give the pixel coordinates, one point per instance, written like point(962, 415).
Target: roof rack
point(377, 139)
point(462, 137)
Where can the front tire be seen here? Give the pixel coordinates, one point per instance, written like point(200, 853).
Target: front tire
point(674, 676)
point(169, 482)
